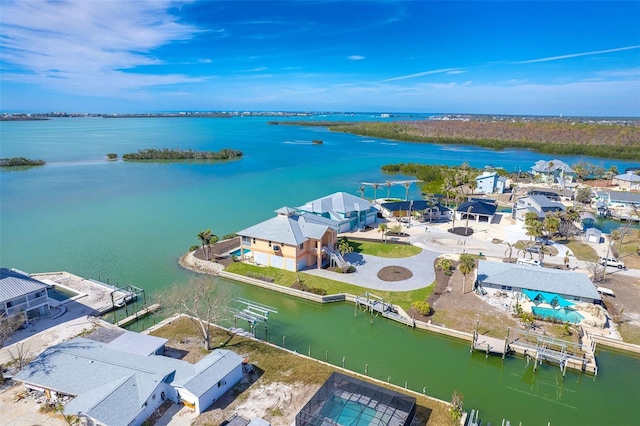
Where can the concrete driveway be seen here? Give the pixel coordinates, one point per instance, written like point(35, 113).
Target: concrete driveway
point(367, 267)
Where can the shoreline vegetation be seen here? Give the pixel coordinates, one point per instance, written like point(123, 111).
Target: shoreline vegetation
point(547, 137)
point(178, 154)
point(20, 162)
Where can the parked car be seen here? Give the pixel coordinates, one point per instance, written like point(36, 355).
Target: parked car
point(612, 261)
point(534, 249)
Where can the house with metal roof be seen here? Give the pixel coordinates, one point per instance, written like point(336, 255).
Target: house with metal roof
point(429, 209)
point(573, 286)
point(553, 171)
point(112, 387)
point(629, 180)
point(538, 204)
point(477, 209)
point(490, 183)
point(292, 240)
point(350, 212)
point(20, 292)
point(622, 199)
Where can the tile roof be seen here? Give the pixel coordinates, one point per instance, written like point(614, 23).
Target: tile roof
point(14, 284)
point(539, 279)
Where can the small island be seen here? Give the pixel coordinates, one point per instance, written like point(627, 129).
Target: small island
point(20, 162)
point(178, 154)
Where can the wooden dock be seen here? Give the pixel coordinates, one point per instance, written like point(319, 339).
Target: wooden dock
point(140, 314)
point(490, 344)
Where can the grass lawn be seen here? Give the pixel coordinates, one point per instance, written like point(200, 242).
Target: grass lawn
point(384, 250)
point(278, 366)
point(286, 278)
point(628, 252)
point(582, 251)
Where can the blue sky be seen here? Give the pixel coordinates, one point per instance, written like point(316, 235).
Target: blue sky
point(501, 57)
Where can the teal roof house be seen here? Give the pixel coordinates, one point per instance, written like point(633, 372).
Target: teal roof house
point(351, 212)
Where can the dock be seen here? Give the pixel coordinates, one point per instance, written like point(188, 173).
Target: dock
point(140, 314)
point(376, 305)
point(491, 345)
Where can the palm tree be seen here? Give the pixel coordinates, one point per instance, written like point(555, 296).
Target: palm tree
point(361, 191)
point(466, 231)
point(382, 228)
point(205, 238)
point(407, 185)
point(509, 249)
point(375, 190)
point(467, 264)
point(388, 184)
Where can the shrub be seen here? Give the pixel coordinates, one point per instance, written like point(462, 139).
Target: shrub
point(194, 247)
point(112, 156)
point(260, 277)
point(422, 307)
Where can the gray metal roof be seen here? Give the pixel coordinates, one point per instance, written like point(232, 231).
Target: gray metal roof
point(292, 230)
point(14, 284)
point(544, 166)
point(540, 279)
point(211, 369)
point(340, 202)
point(137, 343)
point(111, 386)
point(628, 177)
point(545, 203)
point(621, 196)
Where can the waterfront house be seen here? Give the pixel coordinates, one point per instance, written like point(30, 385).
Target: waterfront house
point(553, 171)
point(629, 180)
point(350, 212)
point(428, 209)
point(478, 210)
point(538, 204)
point(618, 199)
point(20, 292)
point(593, 235)
point(553, 194)
point(573, 286)
point(490, 183)
point(292, 240)
point(112, 387)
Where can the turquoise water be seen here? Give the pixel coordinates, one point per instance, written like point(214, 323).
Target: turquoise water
point(131, 221)
point(60, 294)
point(347, 413)
point(561, 314)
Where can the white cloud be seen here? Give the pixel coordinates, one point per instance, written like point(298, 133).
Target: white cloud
point(575, 55)
point(356, 57)
point(420, 74)
point(83, 47)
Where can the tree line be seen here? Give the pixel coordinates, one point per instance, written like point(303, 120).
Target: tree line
point(548, 137)
point(178, 154)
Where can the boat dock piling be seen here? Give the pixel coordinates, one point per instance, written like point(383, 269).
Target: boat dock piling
point(140, 314)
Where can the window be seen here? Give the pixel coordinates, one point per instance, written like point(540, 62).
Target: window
point(301, 246)
point(246, 241)
point(163, 396)
point(153, 396)
point(506, 287)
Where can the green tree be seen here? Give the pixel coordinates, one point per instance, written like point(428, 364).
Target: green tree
point(466, 266)
point(551, 225)
point(456, 405)
point(584, 194)
point(8, 326)
point(382, 229)
point(422, 307)
point(344, 247)
point(532, 225)
point(205, 238)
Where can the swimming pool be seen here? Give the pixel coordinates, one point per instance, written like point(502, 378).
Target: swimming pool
point(237, 252)
point(348, 413)
point(562, 314)
point(61, 294)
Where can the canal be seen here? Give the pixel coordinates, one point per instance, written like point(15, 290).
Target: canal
point(423, 361)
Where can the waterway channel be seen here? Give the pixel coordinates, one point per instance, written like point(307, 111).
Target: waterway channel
point(438, 365)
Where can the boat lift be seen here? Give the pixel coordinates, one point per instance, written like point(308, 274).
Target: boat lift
point(253, 313)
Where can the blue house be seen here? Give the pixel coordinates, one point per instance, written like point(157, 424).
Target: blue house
point(490, 183)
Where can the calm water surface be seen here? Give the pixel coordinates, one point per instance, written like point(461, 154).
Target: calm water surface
point(131, 221)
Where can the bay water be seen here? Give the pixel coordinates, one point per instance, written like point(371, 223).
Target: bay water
point(130, 221)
